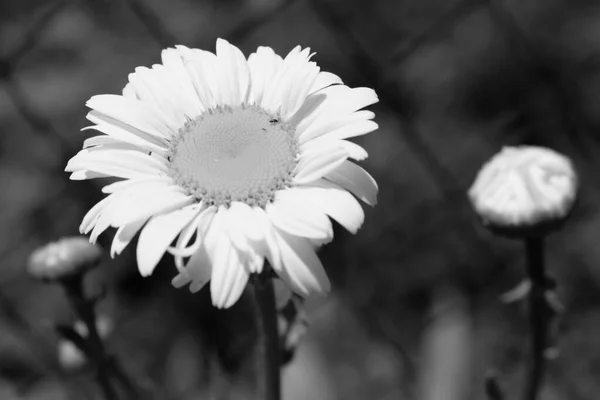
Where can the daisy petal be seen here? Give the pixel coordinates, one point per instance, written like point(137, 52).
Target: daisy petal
point(92, 215)
point(100, 140)
point(289, 213)
point(229, 276)
point(301, 268)
point(263, 66)
point(129, 183)
point(245, 218)
point(202, 68)
point(291, 85)
point(123, 132)
point(129, 91)
point(270, 247)
point(354, 151)
point(355, 179)
point(334, 201)
point(342, 127)
point(181, 279)
point(118, 163)
point(101, 224)
point(124, 235)
point(172, 60)
point(198, 226)
point(83, 174)
point(116, 211)
point(198, 269)
point(325, 79)
point(353, 129)
point(339, 100)
point(320, 161)
point(145, 203)
point(154, 86)
point(135, 113)
point(234, 72)
point(158, 234)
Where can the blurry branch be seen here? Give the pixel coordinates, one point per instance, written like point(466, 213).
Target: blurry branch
point(162, 36)
point(20, 99)
point(545, 70)
point(443, 23)
point(152, 23)
point(30, 39)
point(36, 121)
point(42, 126)
point(247, 26)
point(9, 61)
point(389, 91)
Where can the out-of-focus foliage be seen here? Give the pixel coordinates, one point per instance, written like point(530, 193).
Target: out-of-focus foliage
point(415, 310)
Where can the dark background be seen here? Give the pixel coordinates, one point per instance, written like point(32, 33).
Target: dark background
point(415, 310)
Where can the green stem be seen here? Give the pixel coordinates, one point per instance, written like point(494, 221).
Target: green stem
point(268, 339)
point(539, 316)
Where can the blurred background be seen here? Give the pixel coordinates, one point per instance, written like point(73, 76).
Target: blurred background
point(415, 310)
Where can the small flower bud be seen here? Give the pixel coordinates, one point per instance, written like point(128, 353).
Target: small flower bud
point(63, 259)
point(524, 191)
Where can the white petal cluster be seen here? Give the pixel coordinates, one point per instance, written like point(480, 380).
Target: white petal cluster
point(224, 241)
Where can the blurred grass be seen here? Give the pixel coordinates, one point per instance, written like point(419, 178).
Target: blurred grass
point(454, 86)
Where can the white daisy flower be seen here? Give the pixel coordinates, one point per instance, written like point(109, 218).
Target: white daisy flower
point(227, 161)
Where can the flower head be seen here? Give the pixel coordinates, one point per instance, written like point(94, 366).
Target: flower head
point(63, 259)
point(234, 160)
point(524, 191)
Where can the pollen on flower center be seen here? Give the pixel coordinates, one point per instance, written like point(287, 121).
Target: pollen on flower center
point(240, 154)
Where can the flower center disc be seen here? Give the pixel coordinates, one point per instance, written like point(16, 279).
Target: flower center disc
point(241, 154)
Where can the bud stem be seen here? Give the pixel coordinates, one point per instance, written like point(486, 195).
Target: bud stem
point(85, 311)
point(268, 338)
point(539, 315)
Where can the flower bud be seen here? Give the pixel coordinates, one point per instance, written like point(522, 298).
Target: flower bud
point(524, 191)
point(63, 259)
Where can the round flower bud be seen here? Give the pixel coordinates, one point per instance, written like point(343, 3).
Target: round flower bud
point(524, 191)
point(63, 259)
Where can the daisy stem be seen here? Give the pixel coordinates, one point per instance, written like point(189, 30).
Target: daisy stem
point(268, 338)
point(539, 315)
point(84, 308)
